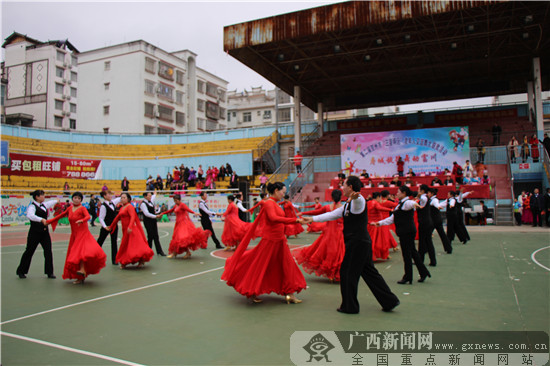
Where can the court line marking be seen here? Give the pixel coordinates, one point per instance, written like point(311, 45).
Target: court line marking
point(537, 262)
point(109, 296)
point(70, 349)
point(215, 256)
point(512, 284)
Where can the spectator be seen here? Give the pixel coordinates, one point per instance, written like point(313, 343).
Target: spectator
point(457, 172)
point(228, 169)
point(400, 166)
point(484, 213)
point(66, 189)
point(524, 149)
point(485, 179)
point(186, 174)
point(411, 173)
point(192, 177)
point(527, 214)
point(479, 168)
point(436, 181)
point(514, 149)
point(169, 180)
point(150, 184)
point(468, 169)
point(537, 206)
point(298, 161)
point(216, 173)
point(159, 183)
point(234, 180)
point(93, 208)
point(448, 180)
point(104, 188)
point(480, 150)
point(125, 185)
point(176, 174)
point(364, 174)
point(546, 143)
point(263, 181)
point(395, 181)
point(222, 173)
point(383, 183)
point(496, 131)
point(517, 211)
point(200, 173)
point(534, 141)
point(409, 182)
point(546, 211)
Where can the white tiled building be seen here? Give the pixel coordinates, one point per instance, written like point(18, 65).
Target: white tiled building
point(42, 82)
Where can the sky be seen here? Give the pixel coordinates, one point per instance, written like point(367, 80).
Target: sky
point(170, 25)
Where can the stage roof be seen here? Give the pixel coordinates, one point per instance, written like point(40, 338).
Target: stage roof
point(373, 53)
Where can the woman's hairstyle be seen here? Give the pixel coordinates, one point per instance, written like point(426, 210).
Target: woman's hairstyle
point(405, 190)
point(271, 187)
point(78, 194)
point(375, 195)
point(146, 193)
point(425, 188)
point(37, 193)
point(231, 198)
point(287, 197)
point(262, 195)
point(177, 197)
point(355, 183)
point(336, 195)
point(385, 193)
point(127, 196)
point(103, 193)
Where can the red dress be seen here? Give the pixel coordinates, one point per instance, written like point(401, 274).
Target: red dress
point(259, 225)
point(324, 257)
point(392, 205)
point(380, 236)
point(82, 245)
point(234, 229)
point(269, 266)
point(290, 211)
point(315, 226)
point(186, 235)
point(534, 147)
point(133, 246)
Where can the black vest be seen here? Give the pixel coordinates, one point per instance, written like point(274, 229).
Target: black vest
point(205, 217)
point(451, 211)
point(424, 217)
point(355, 226)
point(110, 213)
point(151, 208)
point(435, 213)
point(404, 221)
point(38, 226)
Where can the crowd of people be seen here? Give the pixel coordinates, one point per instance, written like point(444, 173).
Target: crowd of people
point(532, 208)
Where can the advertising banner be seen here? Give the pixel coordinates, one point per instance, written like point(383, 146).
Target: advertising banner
point(428, 150)
point(45, 166)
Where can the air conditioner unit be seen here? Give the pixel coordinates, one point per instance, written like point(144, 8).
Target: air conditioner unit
point(70, 66)
point(64, 80)
point(68, 97)
point(65, 64)
point(69, 82)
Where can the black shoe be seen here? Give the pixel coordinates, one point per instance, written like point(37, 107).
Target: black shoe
point(115, 264)
point(219, 247)
point(432, 264)
point(423, 278)
point(387, 310)
point(404, 281)
point(22, 275)
point(465, 241)
point(340, 310)
point(449, 252)
point(52, 276)
point(161, 254)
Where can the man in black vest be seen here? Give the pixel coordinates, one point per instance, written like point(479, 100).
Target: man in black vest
point(107, 213)
point(147, 207)
point(460, 214)
point(437, 221)
point(425, 227)
point(37, 213)
point(403, 217)
point(537, 206)
point(243, 212)
point(452, 218)
point(205, 218)
point(357, 260)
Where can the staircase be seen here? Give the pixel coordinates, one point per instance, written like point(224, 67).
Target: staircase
point(317, 189)
point(501, 179)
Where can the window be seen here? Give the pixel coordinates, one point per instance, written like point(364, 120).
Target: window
point(212, 111)
point(59, 88)
point(106, 110)
point(284, 115)
point(200, 86)
point(150, 65)
point(74, 76)
point(149, 87)
point(58, 121)
point(267, 114)
point(234, 114)
point(221, 93)
point(107, 65)
point(149, 110)
point(228, 116)
point(59, 72)
point(283, 97)
point(200, 123)
point(247, 117)
point(166, 71)
point(165, 91)
point(149, 130)
point(73, 107)
point(164, 131)
point(60, 56)
point(211, 90)
point(259, 113)
point(200, 105)
point(59, 105)
point(72, 124)
point(179, 77)
point(73, 92)
point(106, 86)
point(74, 61)
point(180, 119)
point(222, 113)
point(165, 113)
point(179, 97)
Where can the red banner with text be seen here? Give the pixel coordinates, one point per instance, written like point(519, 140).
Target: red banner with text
point(45, 166)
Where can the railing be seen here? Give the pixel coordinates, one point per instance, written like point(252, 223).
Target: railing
point(262, 153)
point(134, 194)
point(282, 173)
point(310, 139)
point(303, 178)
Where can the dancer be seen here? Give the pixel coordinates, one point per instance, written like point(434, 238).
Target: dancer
point(107, 213)
point(290, 211)
point(452, 220)
point(425, 227)
point(234, 229)
point(316, 226)
point(403, 217)
point(388, 202)
point(324, 257)
point(186, 236)
point(206, 214)
point(269, 266)
point(437, 221)
point(380, 236)
point(147, 207)
point(357, 260)
point(460, 214)
point(84, 255)
point(242, 211)
point(37, 213)
point(259, 225)
point(133, 247)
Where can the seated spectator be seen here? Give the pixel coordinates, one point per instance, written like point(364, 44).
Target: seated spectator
point(149, 184)
point(159, 185)
point(192, 177)
point(200, 172)
point(364, 174)
point(395, 181)
point(448, 180)
point(104, 188)
point(383, 183)
point(234, 180)
point(411, 173)
point(409, 182)
point(222, 172)
point(169, 180)
point(176, 174)
point(468, 169)
point(485, 179)
point(368, 183)
point(436, 180)
point(475, 179)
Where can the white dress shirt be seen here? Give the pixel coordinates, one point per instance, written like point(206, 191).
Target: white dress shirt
point(358, 205)
point(240, 206)
point(435, 203)
point(31, 210)
point(423, 200)
point(406, 205)
point(462, 196)
point(103, 210)
point(202, 206)
point(145, 211)
point(452, 203)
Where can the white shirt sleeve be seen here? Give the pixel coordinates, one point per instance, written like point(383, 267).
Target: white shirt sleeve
point(386, 221)
point(423, 201)
point(115, 201)
point(145, 211)
point(31, 214)
point(329, 216)
point(50, 203)
point(240, 206)
point(435, 203)
point(358, 205)
point(102, 214)
point(202, 206)
point(408, 205)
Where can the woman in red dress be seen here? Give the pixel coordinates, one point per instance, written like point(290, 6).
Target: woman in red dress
point(84, 255)
point(527, 216)
point(290, 211)
point(269, 266)
point(186, 236)
point(385, 202)
point(534, 141)
point(133, 246)
point(234, 229)
point(259, 225)
point(324, 257)
point(381, 237)
point(315, 226)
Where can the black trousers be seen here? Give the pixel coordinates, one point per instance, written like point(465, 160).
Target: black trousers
point(33, 239)
point(517, 215)
point(358, 263)
point(409, 253)
point(153, 235)
point(536, 217)
point(425, 243)
point(114, 247)
point(207, 225)
point(453, 228)
point(462, 227)
point(444, 239)
point(94, 216)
